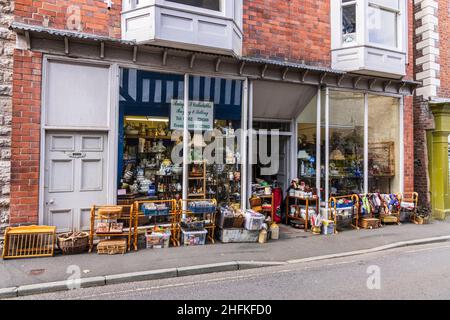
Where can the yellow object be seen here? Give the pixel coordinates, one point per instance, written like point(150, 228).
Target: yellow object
point(262, 236)
point(112, 246)
point(275, 231)
point(29, 241)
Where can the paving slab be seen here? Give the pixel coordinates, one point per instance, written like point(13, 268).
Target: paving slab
point(293, 244)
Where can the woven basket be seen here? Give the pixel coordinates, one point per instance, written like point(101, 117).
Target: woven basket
point(238, 221)
point(73, 244)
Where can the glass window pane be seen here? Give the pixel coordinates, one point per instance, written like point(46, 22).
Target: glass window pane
point(346, 139)
point(205, 4)
point(147, 144)
point(382, 26)
point(215, 113)
point(306, 134)
point(384, 146)
point(349, 23)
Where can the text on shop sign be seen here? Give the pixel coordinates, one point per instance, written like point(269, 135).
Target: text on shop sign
point(200, 116)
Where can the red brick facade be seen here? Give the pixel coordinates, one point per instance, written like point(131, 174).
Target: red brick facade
point(25, 137)
point(296, 30)
point(93, 15)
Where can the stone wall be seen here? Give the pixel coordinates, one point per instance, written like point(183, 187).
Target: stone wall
point(7, 43)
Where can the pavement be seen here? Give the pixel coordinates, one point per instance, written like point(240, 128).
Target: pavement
point(419, 272)
point(294, 244)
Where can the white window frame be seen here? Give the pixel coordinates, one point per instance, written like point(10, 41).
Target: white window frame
point(362, 31)
point(357, 25)
point(399, 24)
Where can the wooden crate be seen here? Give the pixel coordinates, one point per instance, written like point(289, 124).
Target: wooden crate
point(112, 246)
point(29, 241)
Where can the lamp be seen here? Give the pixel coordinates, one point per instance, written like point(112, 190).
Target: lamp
point(302, 154)
point(197, 140)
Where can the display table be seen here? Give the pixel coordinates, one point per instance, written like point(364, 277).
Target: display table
point(298, 202)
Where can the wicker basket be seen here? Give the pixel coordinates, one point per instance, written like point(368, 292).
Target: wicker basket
point(112, 247)
point(238, 221)
point(73, 243)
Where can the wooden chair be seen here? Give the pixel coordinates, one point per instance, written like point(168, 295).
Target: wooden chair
point(409, 202)
point(390, 212)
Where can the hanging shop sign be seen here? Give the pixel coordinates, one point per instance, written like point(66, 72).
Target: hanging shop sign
point(200, 117)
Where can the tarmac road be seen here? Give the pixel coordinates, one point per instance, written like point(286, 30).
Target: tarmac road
point(418, 272)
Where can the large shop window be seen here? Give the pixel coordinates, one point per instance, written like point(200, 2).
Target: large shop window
point(204, 4)
point(151, 128)
point(215, 119)
point(346, 134)
point(384, 144)
point(146, 168)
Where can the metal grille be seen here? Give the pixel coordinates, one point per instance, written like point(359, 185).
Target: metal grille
point(32, 241)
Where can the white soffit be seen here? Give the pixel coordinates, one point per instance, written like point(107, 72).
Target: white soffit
point(283, 101)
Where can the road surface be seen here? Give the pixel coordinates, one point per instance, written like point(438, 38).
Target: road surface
point(418, 272)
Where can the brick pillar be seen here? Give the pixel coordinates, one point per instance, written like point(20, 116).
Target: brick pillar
point(26, 137)
point(7, 42)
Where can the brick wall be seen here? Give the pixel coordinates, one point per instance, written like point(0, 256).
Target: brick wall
point(444, 48)
point(89, 16)
point(25, 137)
point(7, 41)
point(292, 30)
point(408, 143)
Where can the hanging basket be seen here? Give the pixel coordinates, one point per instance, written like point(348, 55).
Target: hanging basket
point(73, 242)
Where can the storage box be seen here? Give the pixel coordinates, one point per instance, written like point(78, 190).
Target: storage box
point(328, 227)
point(253, 220)
point(237, 235)
point(157, 240)
point(112, 246)
point(193, 238)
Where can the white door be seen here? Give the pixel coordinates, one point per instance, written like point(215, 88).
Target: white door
point(75, 178)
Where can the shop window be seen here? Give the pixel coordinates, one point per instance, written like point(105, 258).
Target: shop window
point(146, 167)
point(306, 144)
point(204, 4)
point(214, 123)
point(384, 145)
point(346, 143)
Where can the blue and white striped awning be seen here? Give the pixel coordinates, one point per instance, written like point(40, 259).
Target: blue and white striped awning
point(144, 92)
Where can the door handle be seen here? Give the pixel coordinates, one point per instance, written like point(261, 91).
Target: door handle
point(51, 201)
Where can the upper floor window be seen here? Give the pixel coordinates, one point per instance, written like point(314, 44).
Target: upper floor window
point(382, 22)
point(204, 4)
point(348, 21)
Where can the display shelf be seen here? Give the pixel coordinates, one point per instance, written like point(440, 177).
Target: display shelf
point(109, 214)
point(297, 217)
point(211, 225)
point(173, 216)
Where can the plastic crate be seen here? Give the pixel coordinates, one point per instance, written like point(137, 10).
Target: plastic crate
point(253, 220)
point(155, 212)
point(199, 207)
point(193, 238)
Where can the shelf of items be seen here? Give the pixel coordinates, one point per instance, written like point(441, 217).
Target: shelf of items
point(336, 209)
point(298, 203)
point(197, 179)
point(172, 217)
point(109, 215)
point(207, 216)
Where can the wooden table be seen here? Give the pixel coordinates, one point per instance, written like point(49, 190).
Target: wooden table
point(297, 217)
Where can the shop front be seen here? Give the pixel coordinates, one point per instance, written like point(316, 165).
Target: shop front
point(115, 127)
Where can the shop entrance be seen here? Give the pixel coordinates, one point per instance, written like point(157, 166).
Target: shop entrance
point(75, 178)
point(276, 172)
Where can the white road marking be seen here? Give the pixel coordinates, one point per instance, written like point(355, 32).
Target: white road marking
point(427, 249)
